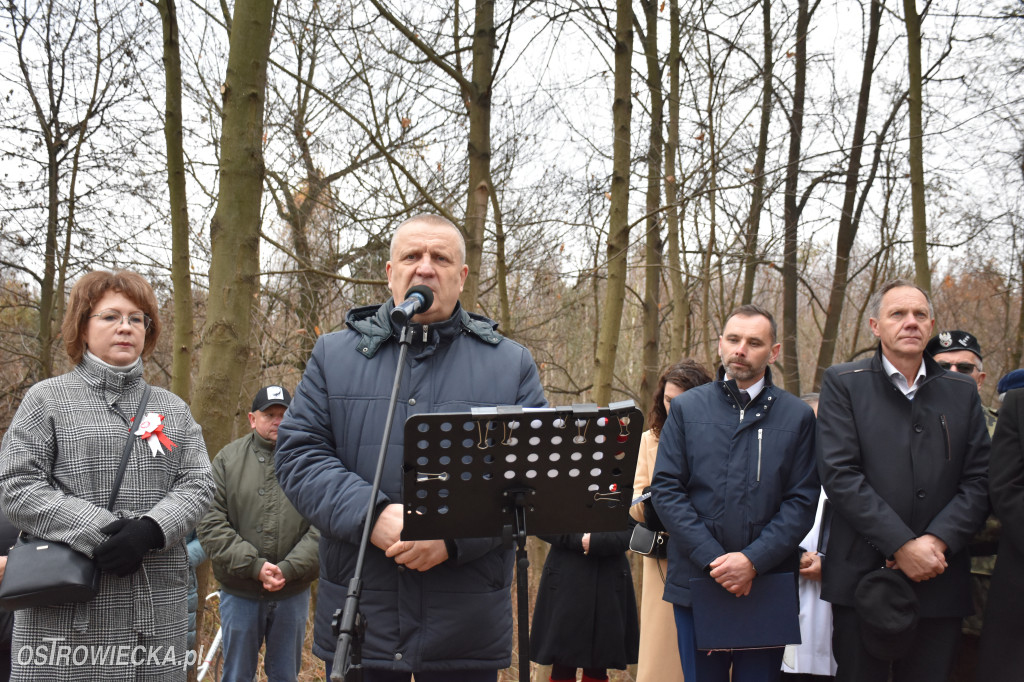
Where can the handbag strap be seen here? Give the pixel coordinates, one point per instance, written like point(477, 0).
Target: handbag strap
point(129, 441)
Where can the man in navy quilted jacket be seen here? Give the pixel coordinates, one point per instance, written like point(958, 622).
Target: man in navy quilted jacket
point(438, 608)
point(734, 485)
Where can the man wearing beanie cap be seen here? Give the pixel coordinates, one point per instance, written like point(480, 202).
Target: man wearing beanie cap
point(264, 553)
point(1011, 380)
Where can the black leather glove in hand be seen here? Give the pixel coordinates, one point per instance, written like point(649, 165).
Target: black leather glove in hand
point(130, 539)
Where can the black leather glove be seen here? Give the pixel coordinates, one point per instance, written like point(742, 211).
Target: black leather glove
point(130, 539)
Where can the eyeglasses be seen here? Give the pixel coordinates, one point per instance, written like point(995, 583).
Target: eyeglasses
point(962, 367)
point(112, 318)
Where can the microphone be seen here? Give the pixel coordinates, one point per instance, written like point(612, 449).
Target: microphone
point(417, 300)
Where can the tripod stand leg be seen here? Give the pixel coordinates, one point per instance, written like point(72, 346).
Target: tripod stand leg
point(522, 588)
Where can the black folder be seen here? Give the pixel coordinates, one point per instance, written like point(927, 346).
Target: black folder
point(767, 617)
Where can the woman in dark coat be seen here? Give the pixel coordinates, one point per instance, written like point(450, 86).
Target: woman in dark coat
point(1000, 655)
point(585, 615)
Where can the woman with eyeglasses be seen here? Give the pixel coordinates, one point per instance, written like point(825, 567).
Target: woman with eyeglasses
point(58, 462)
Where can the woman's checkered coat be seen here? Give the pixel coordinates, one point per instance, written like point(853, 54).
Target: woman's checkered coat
point(57, 467)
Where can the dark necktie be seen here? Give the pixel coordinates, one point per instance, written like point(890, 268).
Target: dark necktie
point(744, 398)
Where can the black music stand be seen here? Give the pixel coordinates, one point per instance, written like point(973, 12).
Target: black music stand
point(511, 472)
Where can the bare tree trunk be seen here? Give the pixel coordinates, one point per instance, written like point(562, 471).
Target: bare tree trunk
point(618, 224)
point(478, 100)
point(310, 282)
point(676, 244)
point(654, 247)
point(501, 270)
point(235, 228)
point(46, 298)
point(181, 279)
point(297, 209)
point(847, 232)
point(705, 312)
point(1018, 340)
point(757, 198)
point(923, 274)
point(790, 314)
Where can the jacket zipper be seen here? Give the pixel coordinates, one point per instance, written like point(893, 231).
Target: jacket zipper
point(945, 432)
point(425, 329)
point(759, 434)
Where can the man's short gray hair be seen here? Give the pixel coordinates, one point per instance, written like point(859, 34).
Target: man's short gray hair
point(433, 220)
point(875, 302)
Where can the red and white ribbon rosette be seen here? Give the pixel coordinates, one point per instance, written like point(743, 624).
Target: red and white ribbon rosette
point(152, 425)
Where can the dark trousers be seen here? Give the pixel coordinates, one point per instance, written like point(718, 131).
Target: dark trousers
point(930, 656)
point(445, 676)
point(5, 661)
point(746, 665)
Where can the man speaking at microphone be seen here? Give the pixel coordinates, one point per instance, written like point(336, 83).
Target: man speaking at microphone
point(439, 609)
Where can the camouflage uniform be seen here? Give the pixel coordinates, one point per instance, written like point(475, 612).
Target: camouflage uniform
point(983, 555)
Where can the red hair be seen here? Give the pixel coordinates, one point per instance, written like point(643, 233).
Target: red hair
point(93, 286)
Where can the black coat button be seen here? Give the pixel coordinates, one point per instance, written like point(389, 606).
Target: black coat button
point(921, 494)
point(918, 428)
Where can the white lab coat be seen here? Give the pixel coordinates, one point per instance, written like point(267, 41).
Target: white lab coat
point(814, 655)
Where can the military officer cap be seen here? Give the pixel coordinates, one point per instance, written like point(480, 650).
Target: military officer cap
point(953, 340)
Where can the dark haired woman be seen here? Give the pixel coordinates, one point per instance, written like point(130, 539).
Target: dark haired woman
point(659, 652)
point(57, 466)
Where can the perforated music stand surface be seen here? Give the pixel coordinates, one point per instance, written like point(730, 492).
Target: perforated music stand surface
point(576, 465)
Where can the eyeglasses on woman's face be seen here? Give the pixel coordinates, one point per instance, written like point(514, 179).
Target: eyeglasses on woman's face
point(113, 318)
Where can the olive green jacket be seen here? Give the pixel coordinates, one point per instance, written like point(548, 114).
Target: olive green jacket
point(251, 522)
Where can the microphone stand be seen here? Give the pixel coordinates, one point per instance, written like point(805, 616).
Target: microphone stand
point(348, 624)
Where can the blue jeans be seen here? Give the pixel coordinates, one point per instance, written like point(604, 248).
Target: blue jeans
point(748, 665)
point(247, 623)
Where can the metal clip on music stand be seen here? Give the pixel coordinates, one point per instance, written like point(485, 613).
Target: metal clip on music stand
point(509, 472)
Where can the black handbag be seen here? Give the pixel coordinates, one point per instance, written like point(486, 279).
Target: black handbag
point(48, 573)
point(648, 542)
